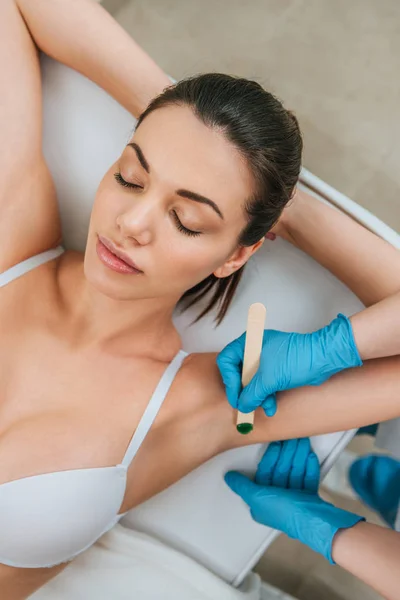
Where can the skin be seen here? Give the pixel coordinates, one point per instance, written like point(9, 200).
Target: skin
point(69, 324)
point(363, 262)
point(370, 553)
point(182, 153)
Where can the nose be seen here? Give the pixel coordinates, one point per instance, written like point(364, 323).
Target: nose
point(138, 222)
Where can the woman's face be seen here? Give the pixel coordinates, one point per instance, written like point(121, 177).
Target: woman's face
point(173, 205)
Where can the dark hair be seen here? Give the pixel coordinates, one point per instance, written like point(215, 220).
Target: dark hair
point(267, 136)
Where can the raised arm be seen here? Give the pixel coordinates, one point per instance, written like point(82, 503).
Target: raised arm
point(351, 399)
point(29, 221)
point(82, 35)
point(366, 264)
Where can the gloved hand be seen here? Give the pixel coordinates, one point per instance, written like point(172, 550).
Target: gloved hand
point(285, 496)
point(288, 360)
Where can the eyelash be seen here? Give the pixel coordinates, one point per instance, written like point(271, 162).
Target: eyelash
point(189, 232)
point(184, 229)
point(118, 177)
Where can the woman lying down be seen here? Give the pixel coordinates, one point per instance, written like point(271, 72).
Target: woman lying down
point(87, 339)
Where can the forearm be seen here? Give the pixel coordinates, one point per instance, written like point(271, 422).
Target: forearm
point(83, 36)
point(377, 329)
point(351, 399)
point(366, 264)
point(372, 554)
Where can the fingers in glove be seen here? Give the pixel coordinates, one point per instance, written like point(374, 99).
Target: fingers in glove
point(242, 486)
point(253, 394)
point(269, 405)
point(298, 471)
point(229, 362)
point(280, 477)
point(268, 463)
point(312, 476)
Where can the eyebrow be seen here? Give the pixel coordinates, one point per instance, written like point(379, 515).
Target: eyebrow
point(183, 193)
point(140, 156)
point(200, 199)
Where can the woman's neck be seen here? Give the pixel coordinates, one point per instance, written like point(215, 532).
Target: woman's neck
point(142, 327)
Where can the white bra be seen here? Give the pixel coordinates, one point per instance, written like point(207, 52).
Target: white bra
point(51, 518)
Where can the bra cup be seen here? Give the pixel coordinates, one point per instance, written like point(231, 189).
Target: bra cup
point(48, 519)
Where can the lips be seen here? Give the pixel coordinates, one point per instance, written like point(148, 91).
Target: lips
point(115, 259)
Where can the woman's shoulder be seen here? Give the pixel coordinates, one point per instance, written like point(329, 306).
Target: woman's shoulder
point(200, 377)
point(44, 267)
point(34, 287)
point(198, 365)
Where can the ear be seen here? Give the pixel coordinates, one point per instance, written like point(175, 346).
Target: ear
point(240, 257)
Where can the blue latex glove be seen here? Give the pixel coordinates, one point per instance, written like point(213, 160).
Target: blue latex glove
point(288, 360)
point(284, 496)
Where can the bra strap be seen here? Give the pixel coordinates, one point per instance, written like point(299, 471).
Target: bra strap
point(30, 263)
point(153, 407)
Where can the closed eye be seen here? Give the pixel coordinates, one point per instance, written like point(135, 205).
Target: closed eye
point(127, 184)
point(182, 228)
point(118, 177)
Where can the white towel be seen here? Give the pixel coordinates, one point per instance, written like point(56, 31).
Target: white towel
point(128, 565)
